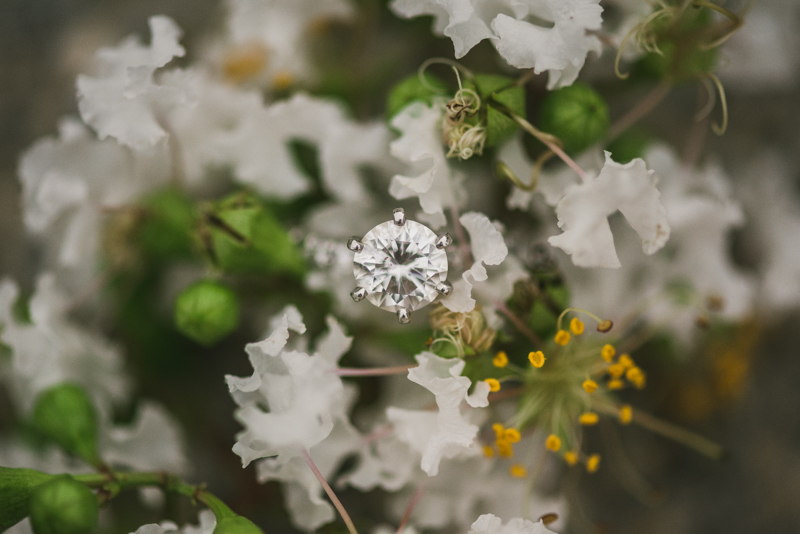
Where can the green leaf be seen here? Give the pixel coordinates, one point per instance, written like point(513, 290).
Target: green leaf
point(65, 414)
point(236, 525)
point(16, 487)
point(63, 506)
point(411, 89)
point(577, 115)
point(499, 126)
point(206, 312)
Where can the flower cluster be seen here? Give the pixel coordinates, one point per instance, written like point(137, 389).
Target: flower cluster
point(203, 198)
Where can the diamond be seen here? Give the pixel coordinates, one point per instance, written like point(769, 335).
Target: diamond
point(400, 266)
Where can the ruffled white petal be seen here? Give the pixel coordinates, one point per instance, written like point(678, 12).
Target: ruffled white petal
point(122, 100)
point(584, 210)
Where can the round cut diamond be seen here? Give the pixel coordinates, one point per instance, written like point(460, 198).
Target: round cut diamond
point(400, 266)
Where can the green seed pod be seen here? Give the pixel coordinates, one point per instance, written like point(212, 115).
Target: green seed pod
point(236, 525)
point(63, 506)
point(65, 414)
point(241, 236)
point(16, 487)
point(206, 312)
point(577, 115)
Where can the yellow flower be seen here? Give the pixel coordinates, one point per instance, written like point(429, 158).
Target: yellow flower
point(553, 443)
point(562, 337)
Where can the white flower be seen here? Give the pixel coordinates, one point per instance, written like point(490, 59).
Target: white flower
point(773, 230)
point(490, 524)
point(302, 393)
point(122, 100)
point(466, 486)
point(702, 213)
point(305, 499)
point(446, 433)
point(208, 522)
point(420, 144)
point(521, 38)
point(260, 155)
point(153, 442)
point(487, 247)
point(282, 28)
point(583, 214)
point(69, 181)
point(52, 349)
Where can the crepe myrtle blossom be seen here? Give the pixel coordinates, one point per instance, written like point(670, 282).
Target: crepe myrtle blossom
point(206, 519)
point(51, 349)
point(466, 486)
point(445, 433)
point(258, 149)
point(584, 209)
point(70, 182)
point(488, 248)
point(491, 524)
point(122, 98)
point(430, 177)
point(292, 399)
point(559, 46)
point(267, 42)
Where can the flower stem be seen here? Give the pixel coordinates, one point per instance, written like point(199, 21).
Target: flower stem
point(640, 110)
point(377, 371)
point(334, 499)
point(111, 483)
point(523, 329)
point(415, 498)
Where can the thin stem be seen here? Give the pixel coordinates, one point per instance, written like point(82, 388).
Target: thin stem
point(504, 394)
point(377, 371)
point(676, 433)
point(522, 327)
point(111, 483)
point(415, 498)
point(640, 110)
point(547, 140)
point(334, 499)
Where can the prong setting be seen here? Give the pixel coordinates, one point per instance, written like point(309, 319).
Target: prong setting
point(403, 316)
point(399, 216)
point(444, 288)
point(354, 244)
point(359, 294)
point(443, 241)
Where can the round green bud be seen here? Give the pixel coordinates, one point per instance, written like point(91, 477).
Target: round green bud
point(577, 115)
point(65, 414)
point(206, 312)
point(16, 487)
point(236, 525)
point(63, 506)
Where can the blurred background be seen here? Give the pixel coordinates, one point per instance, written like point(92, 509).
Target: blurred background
point(45, 44)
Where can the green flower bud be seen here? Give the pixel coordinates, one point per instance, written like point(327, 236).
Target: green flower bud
point(629, 145)
point(63, 506)
point(243, 237)
point(16, 487)
point(65, 414)
point(411, 89)
point(577, 115)
point(236, 525)
point(207, 311)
